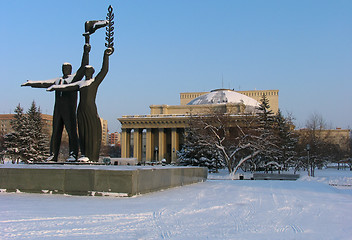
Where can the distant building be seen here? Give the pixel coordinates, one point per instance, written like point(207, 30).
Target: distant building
point(160, 135)
point(5, 123)
point(104, 132)
point(341, 137)
point(114, 138)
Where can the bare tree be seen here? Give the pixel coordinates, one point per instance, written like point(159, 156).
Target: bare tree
point(251, 140)
point(226, 135)
point(316, 144)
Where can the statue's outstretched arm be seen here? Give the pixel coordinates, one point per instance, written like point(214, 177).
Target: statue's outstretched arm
point(40, 84)
point(71, 86)
point(105, 67)
point(65, 87)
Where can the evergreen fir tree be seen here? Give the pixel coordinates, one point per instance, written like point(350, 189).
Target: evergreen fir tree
point(287, 140)
point(2, 141)
point(27, 141)
point(195, 154)
point(19, 117)
point(13, 141)
point(267, 133)
point(37, 146)
point(265, 114)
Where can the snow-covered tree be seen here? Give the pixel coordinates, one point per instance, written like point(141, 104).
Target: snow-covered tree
point(225, 136)
point(38, 147)
point(267, 135)
point(28, 141)
point(274, 138)
point(194, 154)
point(287, 140)
point(2, 146)
point(13, 140)
point(266, 115)
point(253, 141)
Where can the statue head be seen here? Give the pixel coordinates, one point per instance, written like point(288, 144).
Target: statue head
point(89, 71)
point(66, 69)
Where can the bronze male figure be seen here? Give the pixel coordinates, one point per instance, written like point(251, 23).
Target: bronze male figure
point(65, 107)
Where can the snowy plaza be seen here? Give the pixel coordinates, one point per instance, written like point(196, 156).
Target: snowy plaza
point(309, 208)
point(181, 120)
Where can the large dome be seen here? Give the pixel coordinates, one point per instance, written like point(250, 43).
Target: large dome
point(222, 96)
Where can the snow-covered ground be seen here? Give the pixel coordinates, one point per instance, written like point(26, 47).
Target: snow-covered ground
point(217, 209)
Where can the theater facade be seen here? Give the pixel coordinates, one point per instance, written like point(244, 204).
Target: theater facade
point(159, 135)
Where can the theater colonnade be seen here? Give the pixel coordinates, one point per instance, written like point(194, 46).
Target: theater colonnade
point(151, 138)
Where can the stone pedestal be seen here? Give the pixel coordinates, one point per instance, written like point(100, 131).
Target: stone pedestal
point(101, 180)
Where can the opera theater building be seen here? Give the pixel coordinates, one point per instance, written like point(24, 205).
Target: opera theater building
point(160, 135)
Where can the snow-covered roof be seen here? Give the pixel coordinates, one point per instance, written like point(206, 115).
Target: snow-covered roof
point(221, 96)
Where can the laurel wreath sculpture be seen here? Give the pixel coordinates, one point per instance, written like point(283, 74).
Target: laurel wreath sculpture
point(110, 29)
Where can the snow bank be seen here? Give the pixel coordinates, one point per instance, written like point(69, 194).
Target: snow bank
point(215, 209)
point(337, 178)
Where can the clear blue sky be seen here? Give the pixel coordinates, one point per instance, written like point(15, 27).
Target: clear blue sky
point(303, 48)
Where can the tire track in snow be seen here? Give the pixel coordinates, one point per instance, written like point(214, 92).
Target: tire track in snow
point(296, 229)
point(160, 224)
point(284, 201)
point(241, 213)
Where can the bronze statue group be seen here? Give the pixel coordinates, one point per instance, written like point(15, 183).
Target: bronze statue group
point(65, 114)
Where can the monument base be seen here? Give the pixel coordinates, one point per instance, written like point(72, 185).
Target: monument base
point(96, 180)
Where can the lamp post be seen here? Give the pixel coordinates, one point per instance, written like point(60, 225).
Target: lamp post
point(308, 148)
point(156, 154)
point(173, 158)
